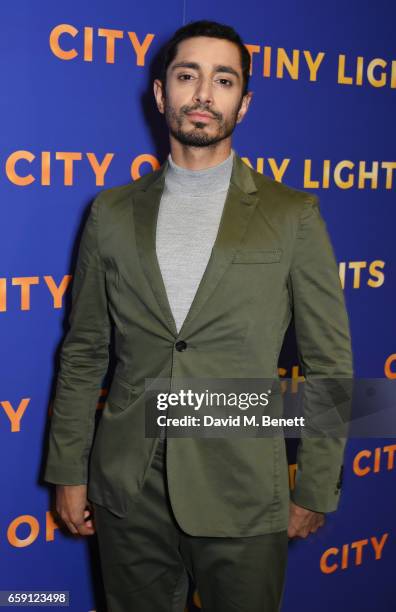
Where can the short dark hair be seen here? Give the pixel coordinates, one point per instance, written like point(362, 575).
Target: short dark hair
point(211, 29)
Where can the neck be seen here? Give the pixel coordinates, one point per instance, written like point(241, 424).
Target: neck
point(199, 158)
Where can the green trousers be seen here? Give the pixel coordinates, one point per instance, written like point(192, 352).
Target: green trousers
point(147, 559)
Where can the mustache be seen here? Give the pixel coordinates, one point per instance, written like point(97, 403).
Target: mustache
point(199, 109)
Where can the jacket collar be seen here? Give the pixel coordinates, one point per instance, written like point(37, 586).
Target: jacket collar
point(241, 177)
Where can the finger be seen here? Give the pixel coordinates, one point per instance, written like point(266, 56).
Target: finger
point(70, 527)
point(84, 529)
point(67, 522)
point(88, 521)
point(90, 526)
point(316, 525)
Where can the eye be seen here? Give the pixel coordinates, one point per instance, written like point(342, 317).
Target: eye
point(227, 82)
point(179, 76)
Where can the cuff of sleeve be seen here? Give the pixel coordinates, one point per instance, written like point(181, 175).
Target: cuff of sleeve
point(64, 475)
point(316, 501)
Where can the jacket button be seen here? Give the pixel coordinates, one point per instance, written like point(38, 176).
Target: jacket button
point(181, 345)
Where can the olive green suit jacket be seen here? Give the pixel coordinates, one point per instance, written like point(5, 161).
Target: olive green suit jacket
point(272, 260)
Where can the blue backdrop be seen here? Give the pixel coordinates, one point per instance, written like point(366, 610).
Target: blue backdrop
point(77, 115)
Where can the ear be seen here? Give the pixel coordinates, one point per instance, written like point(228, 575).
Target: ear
point(159, 95)
point(244, 106)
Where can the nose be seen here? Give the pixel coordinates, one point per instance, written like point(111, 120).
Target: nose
point(203, 92)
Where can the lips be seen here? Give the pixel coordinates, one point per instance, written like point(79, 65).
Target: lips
point(199, 115)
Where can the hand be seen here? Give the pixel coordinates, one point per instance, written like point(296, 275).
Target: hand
point(302, 522)
point(71, 505)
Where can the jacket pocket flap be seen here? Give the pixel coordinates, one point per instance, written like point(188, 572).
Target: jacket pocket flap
point(257, 256)
point(120, 393)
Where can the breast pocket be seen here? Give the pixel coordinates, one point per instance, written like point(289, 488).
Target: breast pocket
point(257, 256)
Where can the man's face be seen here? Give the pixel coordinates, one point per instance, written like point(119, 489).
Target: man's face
point(205, 77)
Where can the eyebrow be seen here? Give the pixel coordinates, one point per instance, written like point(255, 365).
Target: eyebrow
point(196, 66)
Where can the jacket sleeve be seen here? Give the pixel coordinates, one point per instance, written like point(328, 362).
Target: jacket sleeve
point(325, 354)
point(83, 363)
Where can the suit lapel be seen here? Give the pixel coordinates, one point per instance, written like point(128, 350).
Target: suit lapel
point(146, 207)
point(238, 209)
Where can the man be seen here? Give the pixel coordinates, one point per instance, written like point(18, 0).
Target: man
point(199, 267)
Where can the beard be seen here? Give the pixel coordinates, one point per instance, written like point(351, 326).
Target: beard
point(196, 136)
